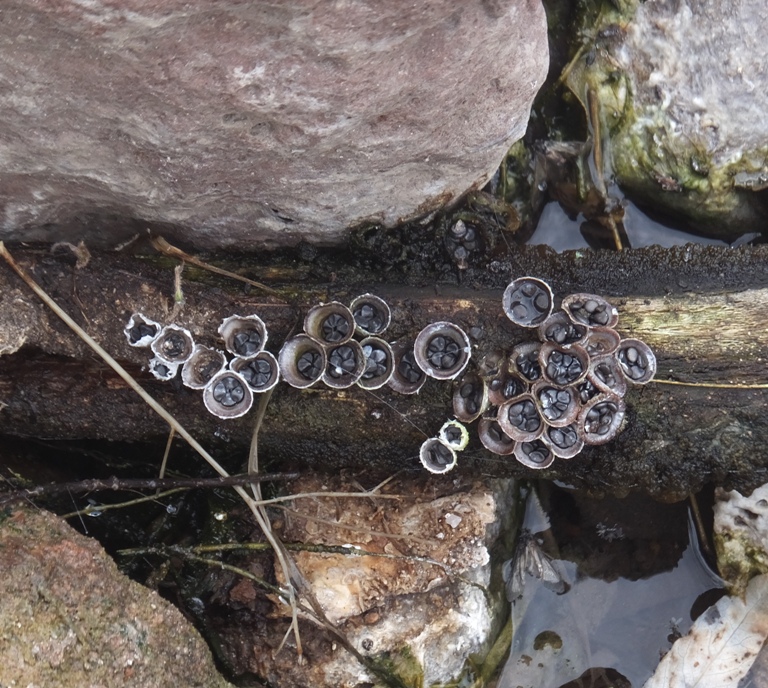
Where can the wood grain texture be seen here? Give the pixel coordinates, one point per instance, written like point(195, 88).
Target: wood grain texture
point(702, 310)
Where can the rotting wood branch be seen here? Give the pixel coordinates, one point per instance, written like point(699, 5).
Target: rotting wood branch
point(125, 484)
point(701, 310)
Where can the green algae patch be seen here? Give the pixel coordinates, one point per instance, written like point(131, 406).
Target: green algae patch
point(676, 139)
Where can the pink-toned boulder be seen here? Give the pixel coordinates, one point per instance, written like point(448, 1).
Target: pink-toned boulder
point(243, 124)
point(70, 618)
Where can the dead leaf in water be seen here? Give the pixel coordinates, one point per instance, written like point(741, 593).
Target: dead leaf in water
point(722, 644)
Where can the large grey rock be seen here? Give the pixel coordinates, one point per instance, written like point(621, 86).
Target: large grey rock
point(683, 88)
point(254, 123)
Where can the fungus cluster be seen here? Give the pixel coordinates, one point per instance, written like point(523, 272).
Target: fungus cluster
point(541, 400)
point(341, 346)
point(549, 398)
point(228, 379)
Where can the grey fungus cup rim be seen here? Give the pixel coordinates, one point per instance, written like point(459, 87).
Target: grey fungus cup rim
point(559, 329)
point(345, 364)
point(261, 373)
point(558, 406)
point(330, 323)
point(470, 397)
point(227, 395)
point(601, 419)
point(534, 454)
point(201, 366)
point(173, 344)
point(520, 418)
point(454, 434)
point(407, 377)
point(162, 370)
point(302, 361)
point(527, 301)
point(437, 456)
point(590, 310)
point(371, 314)
point(442, 350)
point(493, 438)
point(564, 442)
point(141, 330)
point(245, 336)
point(379, 363)
point(637, 361)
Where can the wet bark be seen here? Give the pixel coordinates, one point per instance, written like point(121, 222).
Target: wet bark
point(702, 310)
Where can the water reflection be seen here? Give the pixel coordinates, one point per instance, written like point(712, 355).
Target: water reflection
point(589, 626)
point(562, 233)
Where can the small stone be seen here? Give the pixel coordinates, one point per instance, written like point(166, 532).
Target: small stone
point(453, 520)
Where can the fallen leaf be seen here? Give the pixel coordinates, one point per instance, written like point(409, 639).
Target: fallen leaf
point(721, 645)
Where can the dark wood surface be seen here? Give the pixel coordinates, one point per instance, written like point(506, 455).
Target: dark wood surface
point(702, 310)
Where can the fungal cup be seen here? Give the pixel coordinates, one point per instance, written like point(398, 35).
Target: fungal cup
point(201, 366)
point(454, 434)
point(261, 373)
point(379, 363)
point(140, 330)
point(245, 336)
point(493, 438)
point(173, 344)
point(302, 361)
point(330, 323)
point(527, 301)
point(227, 395)
point(436, 456)
point(470, 398)
point(345, 365)
point(442, 350)
point(371, 314)
point(407, 377)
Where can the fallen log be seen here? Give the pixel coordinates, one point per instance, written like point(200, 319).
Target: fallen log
point(701, 309)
